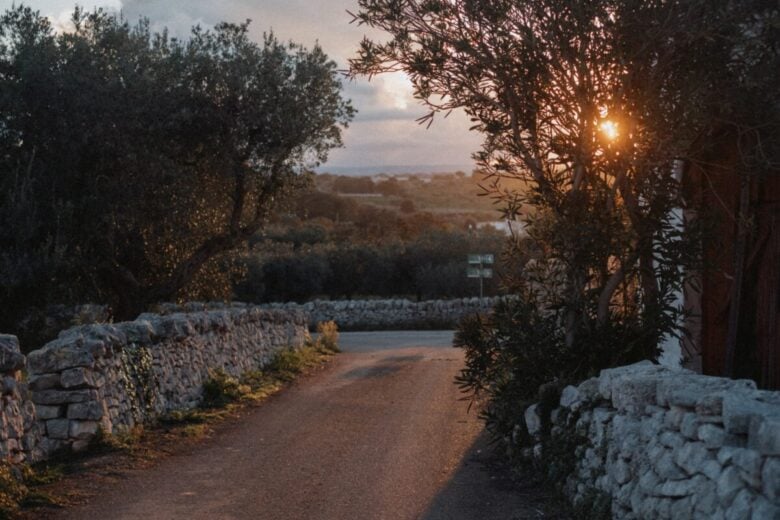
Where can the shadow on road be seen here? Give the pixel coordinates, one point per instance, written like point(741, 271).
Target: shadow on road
point(387, 366)
point(483, 486)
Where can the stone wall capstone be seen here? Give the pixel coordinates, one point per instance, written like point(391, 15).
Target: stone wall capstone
point(111, 377)
point(390, 314)
point(668, 443)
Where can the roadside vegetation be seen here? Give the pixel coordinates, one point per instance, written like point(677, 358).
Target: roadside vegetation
point(329, 246)
point(598, 109)
point(28, 491)
point(104, 201)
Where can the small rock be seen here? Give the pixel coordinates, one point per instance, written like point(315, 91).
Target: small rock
point(533, 422)
point(729, 484)
point(770, 478)
point(711, 435)
point(741, 506)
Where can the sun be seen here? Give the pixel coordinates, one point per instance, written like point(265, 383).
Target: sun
point(609, 129)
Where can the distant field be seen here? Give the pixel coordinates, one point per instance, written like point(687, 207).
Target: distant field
point(441, 194)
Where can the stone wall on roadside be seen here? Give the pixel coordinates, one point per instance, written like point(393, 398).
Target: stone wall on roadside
point(111, 377)
point(658, 442)
point(19, 431)
point(390, 314)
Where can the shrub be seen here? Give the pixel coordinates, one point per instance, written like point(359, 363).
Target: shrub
point(328, 339)
point(221, 388)
point(518, 355)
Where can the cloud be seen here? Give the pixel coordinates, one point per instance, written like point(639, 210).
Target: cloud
point(384, 131)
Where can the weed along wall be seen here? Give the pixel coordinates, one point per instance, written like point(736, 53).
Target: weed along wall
point(645, 441)
point(112, 377)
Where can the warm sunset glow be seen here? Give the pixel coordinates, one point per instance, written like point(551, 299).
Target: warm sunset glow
point(609, 129)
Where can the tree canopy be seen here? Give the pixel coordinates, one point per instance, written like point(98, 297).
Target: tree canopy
point(130, 161)
point(597, 107)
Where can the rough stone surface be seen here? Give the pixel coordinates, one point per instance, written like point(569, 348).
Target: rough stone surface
point(114, 376)
point(390, 314)
point(666, 443)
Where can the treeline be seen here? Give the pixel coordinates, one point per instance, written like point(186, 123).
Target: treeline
point(310, 262)
point(330, 246)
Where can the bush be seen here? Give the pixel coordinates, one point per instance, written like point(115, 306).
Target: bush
point(221, 388)
point(518, 356)
point(328, 339)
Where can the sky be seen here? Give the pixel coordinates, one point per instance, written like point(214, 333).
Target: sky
point(383, 136)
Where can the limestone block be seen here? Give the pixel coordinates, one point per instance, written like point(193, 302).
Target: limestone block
point(729, 484)
point(139, 332)
point(710, 404)
point(83, 430)
point(693, 388)
point(59, 355)
point(749, 463)
point(672, 439)
point(44, 412)
point(43, 381)
point(92, 410)
point(63, 396)
point(674, 417)
point(610, 376)
point(77, 377)
point(667, 468)
point(57, 428)
point(739, 409)
point(705, 501)
point(712, 469)
point(691, 457)
point(689, 426)
point(763, 508)
point(682, 508)
point(619, 472)
point(770, 479)
point(764, 434)
point(711, 435)
point(10, 385)
point(740, 508)
point(533, 422)
point(11, 358)
point(570, 397)
point(648, 482)
point(681, 488)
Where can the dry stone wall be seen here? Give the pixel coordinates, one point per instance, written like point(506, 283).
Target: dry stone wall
point(19, 431)
point(390, 314)
point(667, 443)
point(111, 377)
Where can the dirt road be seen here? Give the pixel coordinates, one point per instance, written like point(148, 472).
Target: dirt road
point(379, 434)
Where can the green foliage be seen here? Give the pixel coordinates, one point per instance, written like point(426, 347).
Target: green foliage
point(518, 356)
point(432, 265)
point(541, 81)
point(221, 388)
point(102, 199)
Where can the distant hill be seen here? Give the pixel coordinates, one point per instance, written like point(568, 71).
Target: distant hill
point(395, 169)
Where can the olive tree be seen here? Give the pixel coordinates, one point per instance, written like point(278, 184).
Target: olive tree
point(597, 107)
point(132, 162)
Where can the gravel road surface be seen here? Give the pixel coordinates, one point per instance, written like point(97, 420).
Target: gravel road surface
point(379, 434)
